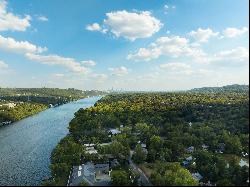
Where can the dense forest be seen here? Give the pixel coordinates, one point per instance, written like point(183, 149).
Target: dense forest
point(184, 133)
point(18, 103)
point(45, 95)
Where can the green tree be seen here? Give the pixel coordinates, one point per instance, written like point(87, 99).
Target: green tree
point(120, 178)
point(139, 155)
point(172, 174)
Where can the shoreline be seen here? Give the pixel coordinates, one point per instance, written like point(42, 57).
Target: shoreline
point(7, 123)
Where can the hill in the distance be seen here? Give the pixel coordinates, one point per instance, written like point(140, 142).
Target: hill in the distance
point(229, 88)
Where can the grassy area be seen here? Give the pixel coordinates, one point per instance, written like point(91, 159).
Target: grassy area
point(147, 169)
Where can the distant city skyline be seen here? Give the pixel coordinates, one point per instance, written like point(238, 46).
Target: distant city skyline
point(130, 45)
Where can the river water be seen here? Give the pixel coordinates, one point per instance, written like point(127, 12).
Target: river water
point(26, 145)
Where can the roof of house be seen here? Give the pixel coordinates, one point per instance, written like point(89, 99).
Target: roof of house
point(102, 167)
point(89, 144)
point(114, 131)
point(189, 158)
point(91, 150)
point(243, 163)
point(197, 176)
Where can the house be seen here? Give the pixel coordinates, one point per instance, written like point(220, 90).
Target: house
point(185, 163)
point(90, 149)
point(190, 124)
point(243, 163)
point(114, 132)
point(189, 159)
point(197, 176)
point(93, 174)
point(204, 147)
point(190, 149)
point(89, 145)
point(9, 105)
point(105, 144)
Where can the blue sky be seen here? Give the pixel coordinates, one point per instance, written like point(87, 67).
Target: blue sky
point(128, 44)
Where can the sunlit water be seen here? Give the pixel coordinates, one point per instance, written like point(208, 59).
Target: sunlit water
point(25, 146)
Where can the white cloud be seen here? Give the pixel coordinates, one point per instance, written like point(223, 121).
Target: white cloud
point(69, 63)
point(234, 32)
point(236, 54)
point(99, 78)
point(42, 18)
point(120, 71)
point(174, 46)
point(202, 35)
point(3, 65)
point(175, 66)
point(130, 25)
point(9, 21)
point(31, 52)
point(10, 44)
point(144, 54)
point(94, 27)
point(88, 63)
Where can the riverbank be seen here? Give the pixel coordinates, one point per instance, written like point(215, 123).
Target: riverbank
point(19, 111)
point(22, 110)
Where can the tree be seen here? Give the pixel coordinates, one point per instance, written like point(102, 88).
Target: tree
point(139, 155)
point(156, 143)
point(120, 178)
point(172, 174)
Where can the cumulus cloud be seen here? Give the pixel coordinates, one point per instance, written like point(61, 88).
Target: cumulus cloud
point(69, 63)
point(130, 25)
point(88, 63)
point(174, 46)
point(144, 54)
point(120, 71)
point(3, 65)
point(203, 35)
point(42, 18)
point(32, 52)
point(236, 54)
point(9, 21)
point(94, 27)
point(234, 32)
point(10, 44)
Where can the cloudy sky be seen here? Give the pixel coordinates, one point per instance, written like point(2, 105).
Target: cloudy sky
point(128, 44)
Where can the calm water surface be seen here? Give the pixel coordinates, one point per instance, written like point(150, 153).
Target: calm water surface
point(25, 146)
